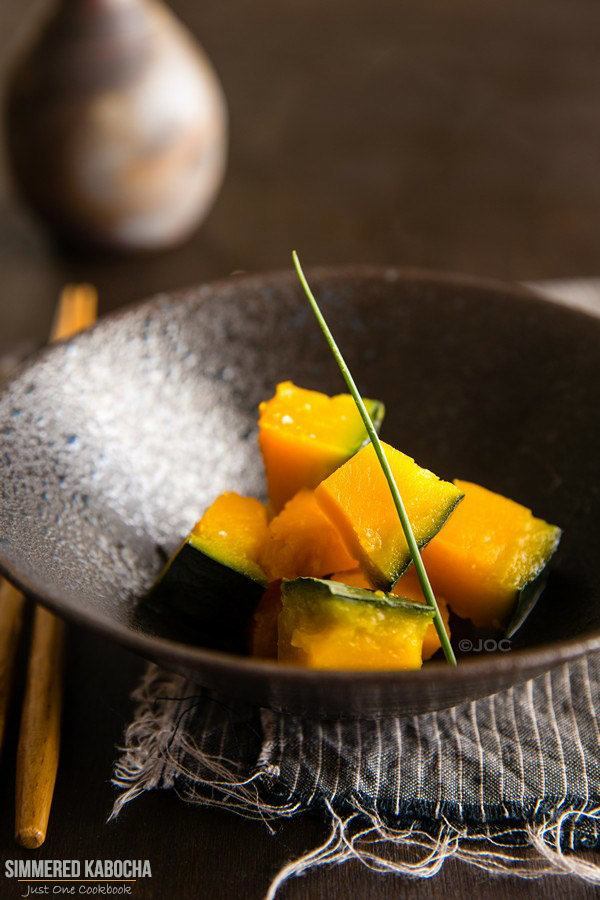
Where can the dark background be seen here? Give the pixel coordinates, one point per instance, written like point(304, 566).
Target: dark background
point(459, 135)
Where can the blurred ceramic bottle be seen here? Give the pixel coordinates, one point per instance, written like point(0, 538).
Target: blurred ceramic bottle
point(116, 125)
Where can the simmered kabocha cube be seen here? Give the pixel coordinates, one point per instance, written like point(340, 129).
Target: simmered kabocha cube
point(302, 541)
point(407, 586)
point(214, 578)
point(358, 501)
point(305, 435)
point(328, 625)
point(233, 530)
point(488, 554)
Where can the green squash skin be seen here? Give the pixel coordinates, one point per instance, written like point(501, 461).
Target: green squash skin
point(376, 410)
point(220, 553)
point(336, 590)
point(217, 600)
point(379, 578)
point(527, 597)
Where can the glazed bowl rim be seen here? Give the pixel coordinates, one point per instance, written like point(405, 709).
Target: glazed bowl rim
point(189, 656)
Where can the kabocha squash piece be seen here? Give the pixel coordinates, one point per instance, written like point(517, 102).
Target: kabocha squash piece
point(302, 541)
point(490, 553)
point(328, 625)
point(408, 586)
point(358, 501)
point(305, 435)
point(263, 631)
point(233, 530)
point(214, 578)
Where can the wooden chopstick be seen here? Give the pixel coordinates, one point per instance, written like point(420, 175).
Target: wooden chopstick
point(76, 310)
point(12, 603)
point(39, 736)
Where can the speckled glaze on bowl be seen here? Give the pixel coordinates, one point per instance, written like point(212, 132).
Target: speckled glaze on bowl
point(112, 443)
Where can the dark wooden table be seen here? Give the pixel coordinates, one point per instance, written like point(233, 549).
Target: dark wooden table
point(461, 136)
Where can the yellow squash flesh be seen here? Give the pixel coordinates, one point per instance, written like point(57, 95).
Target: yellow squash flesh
point(487, 552)
point(358, 501)
point(320, 631)
point(407, 586)
point(302, 541)
point(233, 531)
point(305, 435)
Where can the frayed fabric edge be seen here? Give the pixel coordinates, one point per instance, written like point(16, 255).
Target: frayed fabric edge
point(415, 852)
point(144, 762)
point(152, 759)
point(156, 747)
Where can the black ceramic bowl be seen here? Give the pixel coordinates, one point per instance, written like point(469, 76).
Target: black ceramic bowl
point(112, 443)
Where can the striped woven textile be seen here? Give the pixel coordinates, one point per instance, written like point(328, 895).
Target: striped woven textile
point(519, 755)
point(510, 783)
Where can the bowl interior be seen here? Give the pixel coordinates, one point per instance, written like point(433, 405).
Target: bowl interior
point(112, 444)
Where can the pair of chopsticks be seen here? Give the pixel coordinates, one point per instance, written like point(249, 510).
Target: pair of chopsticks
point(39, 736)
